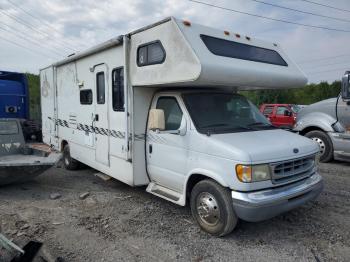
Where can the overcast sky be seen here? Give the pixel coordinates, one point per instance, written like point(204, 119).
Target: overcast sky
point(43, 31)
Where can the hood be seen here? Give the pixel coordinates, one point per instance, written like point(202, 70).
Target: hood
point(327, 106)
point(262, 146)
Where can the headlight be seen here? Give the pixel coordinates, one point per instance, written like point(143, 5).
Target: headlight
point(254, 173)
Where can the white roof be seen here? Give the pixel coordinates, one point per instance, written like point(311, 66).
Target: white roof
point(190, 62)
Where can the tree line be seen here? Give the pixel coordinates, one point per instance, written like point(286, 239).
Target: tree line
point(306, 95)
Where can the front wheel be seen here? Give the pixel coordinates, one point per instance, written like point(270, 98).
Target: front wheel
point(325, 143)
point(68, 161)
point(211, 206)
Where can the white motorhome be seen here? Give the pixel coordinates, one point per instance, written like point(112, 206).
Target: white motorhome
point(159, 107)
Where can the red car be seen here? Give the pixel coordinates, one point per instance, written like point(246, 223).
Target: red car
point(280, 115)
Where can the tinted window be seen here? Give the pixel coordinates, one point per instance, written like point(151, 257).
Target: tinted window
point(100, 87)
point(86, 97)
point(172, 112)
point(150, 54)
point(268, 110)
point(118, 89)
point(224, 112)
point(8, 128)
point(222, 47)
point(281, 110)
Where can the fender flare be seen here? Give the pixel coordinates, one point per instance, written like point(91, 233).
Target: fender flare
point(318, 120)
point(206, 173)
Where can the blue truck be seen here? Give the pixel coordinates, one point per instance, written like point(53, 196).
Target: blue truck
point(14, 103)
point(14, 95)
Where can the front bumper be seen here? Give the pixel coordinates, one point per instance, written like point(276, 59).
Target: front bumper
point(265, 204)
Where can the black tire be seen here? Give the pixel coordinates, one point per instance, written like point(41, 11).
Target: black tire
point(223, 219)
point(68, 162)
point(326, 145)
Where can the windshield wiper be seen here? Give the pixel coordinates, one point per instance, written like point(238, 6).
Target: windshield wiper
point(261, 124)
point(224, 127)
point(215, 125)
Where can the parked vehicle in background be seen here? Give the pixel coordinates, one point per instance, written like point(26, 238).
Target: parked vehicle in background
point(328, 123)
point(14, 98)
point(280, 115)
point(160, 107)
point(297, 108)
point(14, 103)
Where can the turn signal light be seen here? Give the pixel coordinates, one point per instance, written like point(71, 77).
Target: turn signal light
point(244, 173)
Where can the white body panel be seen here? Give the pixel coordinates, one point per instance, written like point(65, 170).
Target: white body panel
point(118, 144)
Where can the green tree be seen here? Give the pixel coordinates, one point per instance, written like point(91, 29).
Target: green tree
point(34, 96)
point(309, 94)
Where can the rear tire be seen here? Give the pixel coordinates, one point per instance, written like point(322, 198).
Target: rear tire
point(68, 161)
point(211, 206)
point(325, 143)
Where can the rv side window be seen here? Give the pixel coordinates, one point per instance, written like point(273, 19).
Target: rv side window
point(172, 112)
point(100, 87)
point(118, 89)
point(150, 54)
point(86, 97)
point(226, 48)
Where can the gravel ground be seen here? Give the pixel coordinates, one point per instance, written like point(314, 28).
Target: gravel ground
point(118, 223)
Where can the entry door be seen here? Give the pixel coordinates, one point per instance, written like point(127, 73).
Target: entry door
point(167, 151)
point(101, 123)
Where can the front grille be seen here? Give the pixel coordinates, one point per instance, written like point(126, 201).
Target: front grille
point(291, 170)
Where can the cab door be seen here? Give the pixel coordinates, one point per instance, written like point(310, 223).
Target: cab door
point(100, 120)
point(344, 114)
point(166, 150)
point(281, 119)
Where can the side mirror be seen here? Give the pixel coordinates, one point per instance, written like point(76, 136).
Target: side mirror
point(345, 86)
point(156, 120)
point(287, 113)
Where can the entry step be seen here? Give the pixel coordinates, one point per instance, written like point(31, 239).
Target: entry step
point(104, 177)
point(165, 193)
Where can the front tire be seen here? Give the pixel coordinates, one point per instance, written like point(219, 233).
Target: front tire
point(212, 208)
point(68, 161)
point(325, 143)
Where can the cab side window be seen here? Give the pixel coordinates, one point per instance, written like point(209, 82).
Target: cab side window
point(281, 110)
point(268, 110)
point(172, 112)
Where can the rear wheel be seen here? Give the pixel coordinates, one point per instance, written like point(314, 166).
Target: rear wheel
point(211, 206)
point(68, 161)
point(325, 143)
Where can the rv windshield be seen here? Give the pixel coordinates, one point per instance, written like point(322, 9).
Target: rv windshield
point(224, 113)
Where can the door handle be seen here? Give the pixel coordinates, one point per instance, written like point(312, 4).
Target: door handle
point(96, 117)
point(150, 149)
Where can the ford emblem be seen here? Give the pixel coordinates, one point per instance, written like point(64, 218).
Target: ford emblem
point(296, 150)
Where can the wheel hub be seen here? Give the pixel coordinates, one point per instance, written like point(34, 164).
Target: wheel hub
point(66, 160)
point(208, 209)
point(321, 144)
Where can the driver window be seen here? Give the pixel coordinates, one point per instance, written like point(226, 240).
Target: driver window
point(172, 112)
point(281, 110)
